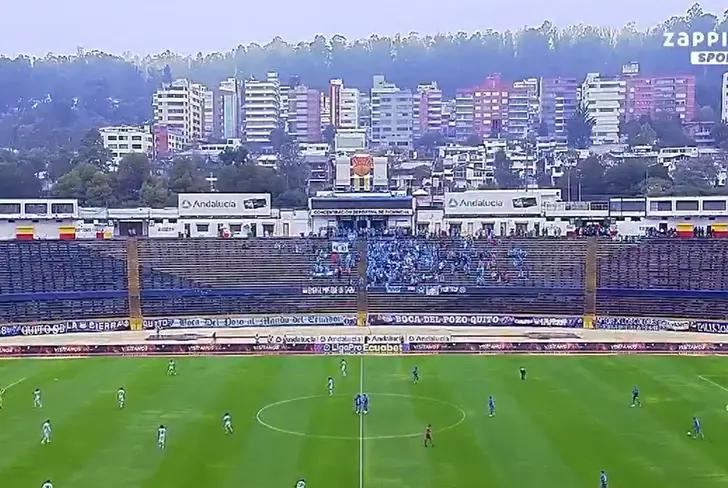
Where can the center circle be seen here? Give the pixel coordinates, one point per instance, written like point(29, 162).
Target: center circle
point(443, 415)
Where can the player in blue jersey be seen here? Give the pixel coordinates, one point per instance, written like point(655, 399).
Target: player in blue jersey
point(697, 429)
point(491, 406)
point(357, 403)
point(636, 402)
point(365, 403)
point(415, 375)
point(603, 479)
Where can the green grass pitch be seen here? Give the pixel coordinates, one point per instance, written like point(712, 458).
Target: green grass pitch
point(568, 420)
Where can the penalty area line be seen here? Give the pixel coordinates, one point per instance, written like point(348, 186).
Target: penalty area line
point(708, 380)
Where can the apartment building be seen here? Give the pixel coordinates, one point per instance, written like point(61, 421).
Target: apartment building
point(523, 107)
point(391, 115)
point(126, 139)
point(304, 114)
point(557, 104)
point(427, 109)
point(603, 99)
point(660, 96)
point(181, 105)
point(261, 105)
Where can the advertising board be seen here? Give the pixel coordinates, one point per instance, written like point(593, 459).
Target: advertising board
point(224, 204)
point(496, 202)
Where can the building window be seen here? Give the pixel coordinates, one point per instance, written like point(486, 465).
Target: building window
point(36, 208)
point(686, 205)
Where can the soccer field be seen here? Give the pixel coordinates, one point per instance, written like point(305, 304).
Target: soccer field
point(568, 420)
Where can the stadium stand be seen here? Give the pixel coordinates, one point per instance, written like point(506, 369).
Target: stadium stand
point(57, 280)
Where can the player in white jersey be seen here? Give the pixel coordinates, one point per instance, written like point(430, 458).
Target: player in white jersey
point(227, 423)
point(301, 484)
point(331, 386)
point(47, 484)
point(37, 401)
point(46, 431)
point(121, 397)
point(343, 367)
point(171, 368)
point(161, 436)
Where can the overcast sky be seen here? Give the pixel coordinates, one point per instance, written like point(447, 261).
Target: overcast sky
point(149, 26)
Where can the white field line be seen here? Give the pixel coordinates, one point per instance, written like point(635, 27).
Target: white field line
point(14, 383)
point(708, 380)
point(361, 425)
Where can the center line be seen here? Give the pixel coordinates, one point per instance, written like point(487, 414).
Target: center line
point(361, 424)
point(713, 383)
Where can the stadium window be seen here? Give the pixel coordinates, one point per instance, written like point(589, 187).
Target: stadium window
point(661, 205)
point(686, 205)
point(36, 208)
point(236, 227)
point(9, 208)
point(203, 227)
point(714, 204)
point(62, 208)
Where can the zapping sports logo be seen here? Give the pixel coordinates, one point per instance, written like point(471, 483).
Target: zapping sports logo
point(707, 48)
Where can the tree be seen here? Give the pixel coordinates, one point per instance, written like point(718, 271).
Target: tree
point(670, 132)
point(92, 151)
point(250, 178)
point(579, 129)
point(291, 199)
point(697, 173)
point(429, 142)
point(154, 193)
point(18, 180)
point(133, 173)
point(329, 135)
point(591, 176)
point(720, 134)
point(238, 155)
point(86, 183)
point(625, 179)
point(186, 176)
point(645, 137)
point(504, 175)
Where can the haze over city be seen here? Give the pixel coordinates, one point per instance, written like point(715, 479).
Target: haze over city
point(144, 26)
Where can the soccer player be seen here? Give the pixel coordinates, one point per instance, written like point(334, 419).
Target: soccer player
point(47, 484)
point(602, 479)
point(46, 431)
point(523, 373)
point(697, 429)
point(365, 403)
point(121, 397)
point(37, 402)
point(428, 436)
point(171, 368)
point(636, 397)
point(357, 403)
point(331, 386)
point(491, 406)
point(415, 375)
point(301, 483)
point(227, 422)
point(2, 394)
point(161, 437)
point(342, 365)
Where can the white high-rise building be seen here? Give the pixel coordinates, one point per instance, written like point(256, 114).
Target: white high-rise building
point(284, 93)
point(181, 105)
point(211, 127)
point(229, 116)
point(342, 106)
point(262, 108)
point(724, 98)
point(391, 115)
point(603, 98)
point(349, 109)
